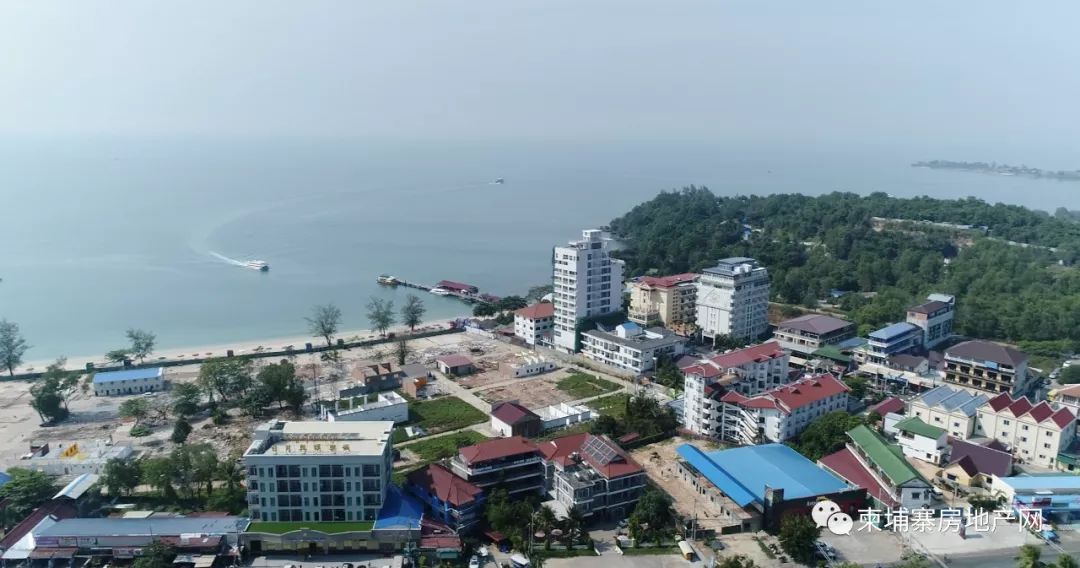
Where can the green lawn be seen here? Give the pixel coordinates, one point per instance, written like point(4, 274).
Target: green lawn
point(442, 414)
point(325, 527)
point(613, 405)
point(434, 449)
point(581, 385)
point(579, 428)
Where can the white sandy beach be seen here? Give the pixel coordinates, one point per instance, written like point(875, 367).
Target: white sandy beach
point(238, 347)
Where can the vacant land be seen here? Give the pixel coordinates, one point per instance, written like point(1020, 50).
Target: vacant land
point(613, 405)
point(441, 447)
point(442, 414)
point(581, 385)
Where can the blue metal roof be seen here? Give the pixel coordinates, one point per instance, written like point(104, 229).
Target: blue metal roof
point(1043, 482)
point(744, 473)
point(4, 478)
point(893, 331)
point(399, 511)
point(128, 375)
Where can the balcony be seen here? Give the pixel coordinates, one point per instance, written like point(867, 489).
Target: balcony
point(480, 470)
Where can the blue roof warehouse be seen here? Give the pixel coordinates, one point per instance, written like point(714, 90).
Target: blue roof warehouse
point(129, 381)
point(763, 483)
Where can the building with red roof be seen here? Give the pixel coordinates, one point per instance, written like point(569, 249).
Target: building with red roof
point(514, 464)
point(748, 372)
point(447, 497)
point(458, 287)
point(512, 419)
point(669, 301)
point(1035, 433)
point(593, 474)
point(456, 365)
point(778, 414)
point(533, 324)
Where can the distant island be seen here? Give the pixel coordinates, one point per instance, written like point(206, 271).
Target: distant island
point(999, 169)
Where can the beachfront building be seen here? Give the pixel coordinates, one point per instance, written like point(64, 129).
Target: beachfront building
point(935, 317)
point(670, 301)
point(387, 405)
point(592, 474)
point(318, 471)
point(563, 415)
point(880, 468)
point(631, 348)
point(921, 441)
point(748, 371)
point(513, 464)
point(455, 365)
point(130, 381)
point(366, 378)
point(512, 419)
point(587, 282)
point(451, 499)
point(889, 341)
point(779, 414)
point(527, 366)
point(805, 334)
point(533, 324)
point(1035, 434)
point(955, 410)
point(988, 367)
point(733, 299)
point(73, 458)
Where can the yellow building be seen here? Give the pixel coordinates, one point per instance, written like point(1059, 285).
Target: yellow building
point(669, 300)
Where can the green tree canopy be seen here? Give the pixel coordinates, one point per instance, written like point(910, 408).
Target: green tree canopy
point(826, 435)
point(26, 490)
point(797, 536)
point(120, 477)
point(381, 314)
point(412, 313)
point(324, 322)
point(142, 343)
point(12, 346)
point(226, 378)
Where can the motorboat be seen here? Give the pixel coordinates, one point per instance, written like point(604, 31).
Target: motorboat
point(440, 291)
point(387, 280)
point(259, 265)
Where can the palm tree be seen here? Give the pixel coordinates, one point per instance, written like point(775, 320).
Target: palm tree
point(545, 520)
point(1029, 557)
point(572, 525)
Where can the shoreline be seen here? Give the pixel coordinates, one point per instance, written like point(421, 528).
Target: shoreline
point(78, 363)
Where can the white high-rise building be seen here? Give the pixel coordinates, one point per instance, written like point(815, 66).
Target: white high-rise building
point(587, 282)
point(733, 299)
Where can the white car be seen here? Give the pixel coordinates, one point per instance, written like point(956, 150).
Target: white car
point(474, 562)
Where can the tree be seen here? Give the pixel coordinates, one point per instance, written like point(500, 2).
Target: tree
point(412, 313)
point(26, 490)
point(295, 396)
point(654, 514)
point(826, 435)
point(227, 378)
point(401, 351)
point(186, 398)
point(118, 356)
point(573, 524)
point(142, 343)
point(120, 477)
point(1070, 375)
point(156, 555)
point(857, 385)
point(738, 561)
point(545, 520)
point(181, 431)
point(276, 379)
point(12, 346)
point(1065, 561)
point(537, 293)
point(49, 393)
point(1029, 557)
point(324, 322)
point(381, 314)
point(798, 533)
point(137, 408)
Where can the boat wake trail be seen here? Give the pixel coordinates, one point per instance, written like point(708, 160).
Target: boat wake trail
point(232, 261)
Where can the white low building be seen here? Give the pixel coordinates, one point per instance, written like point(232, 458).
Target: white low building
point(388, 405)
point(922, 441)
point(129, 381)
point(73, 458)
point(562, 415)
point(529, 366)
point(632, 348)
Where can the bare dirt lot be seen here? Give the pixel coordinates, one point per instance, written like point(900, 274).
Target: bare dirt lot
point(533, 392)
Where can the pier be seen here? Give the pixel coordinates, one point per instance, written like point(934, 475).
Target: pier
point(465, 292)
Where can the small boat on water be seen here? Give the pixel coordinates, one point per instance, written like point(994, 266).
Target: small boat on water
point(440, 291)
point(387, 280)
point(259, 265)
point(499, 181)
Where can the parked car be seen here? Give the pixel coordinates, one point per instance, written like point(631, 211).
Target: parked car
point(474, 562)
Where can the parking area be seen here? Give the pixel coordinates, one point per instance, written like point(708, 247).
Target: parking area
point(608, 560)
point(866, 548)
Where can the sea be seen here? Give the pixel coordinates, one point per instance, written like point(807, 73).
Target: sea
point(101, 235)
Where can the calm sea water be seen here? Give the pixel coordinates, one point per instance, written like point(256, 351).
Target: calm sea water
point(98, 236)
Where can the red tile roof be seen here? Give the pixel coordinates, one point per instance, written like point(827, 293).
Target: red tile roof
point(58, 509)
point(537, 311)
point(791, 396)
point(1039, 412)
point(1063, 417)
point(974, 458)
point(512, 413)
point(1000, 401)
point(496, 449)
point(439, 481)
point(891, 404)
point(560, 450)
point(715, 366)
point(458, 286)
point(848, 467)
point(668, 281)
point(1020, 407)
point(1071, 390)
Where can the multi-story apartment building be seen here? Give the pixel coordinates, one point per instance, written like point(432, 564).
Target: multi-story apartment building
point(450, 499)
point(670, 301)
point(782, 413)
point(513, 464)
point(533, 324)
point(935, 317)
point(955, 410)
point(593, 474)
point(318, 471)
point(988, 367)
point(1034, 434)
point(805, 334)
point(748, 371)
point(889, 341)
point(587, 282)
point(733, 299)
point(631, 348)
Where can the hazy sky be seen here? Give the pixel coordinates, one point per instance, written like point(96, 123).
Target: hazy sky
point(802, 71)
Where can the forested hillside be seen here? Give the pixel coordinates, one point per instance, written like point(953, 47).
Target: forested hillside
point(812, 245)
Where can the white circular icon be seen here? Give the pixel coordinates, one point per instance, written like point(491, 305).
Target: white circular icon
point(841, 523)
point(822, 511)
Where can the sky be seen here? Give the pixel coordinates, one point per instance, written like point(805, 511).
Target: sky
point(757, 71)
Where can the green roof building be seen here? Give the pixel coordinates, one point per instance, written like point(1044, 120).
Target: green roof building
point(890, 468)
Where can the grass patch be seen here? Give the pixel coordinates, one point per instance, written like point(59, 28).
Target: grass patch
point(435, 449)
point(442, 414)
point(613, 405)
point(579, 428)
point(562, 552)
point(764, 547)
point(581, 385)
point(651, 550)
point(326, 527)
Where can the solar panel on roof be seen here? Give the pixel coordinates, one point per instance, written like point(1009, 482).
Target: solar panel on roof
point(600, 450)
